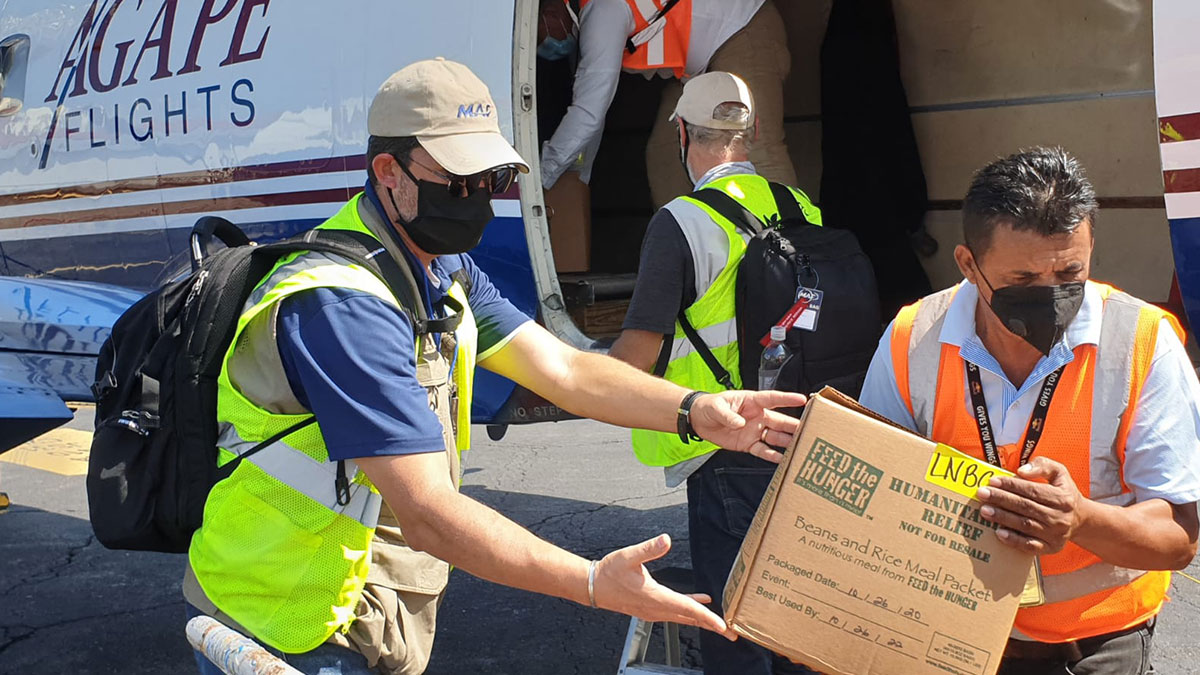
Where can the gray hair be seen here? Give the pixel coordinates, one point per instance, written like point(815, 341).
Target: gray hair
point(727, 140)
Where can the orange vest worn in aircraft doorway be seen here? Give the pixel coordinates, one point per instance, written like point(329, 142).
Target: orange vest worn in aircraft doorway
point(1085, 429)
point(658, 43)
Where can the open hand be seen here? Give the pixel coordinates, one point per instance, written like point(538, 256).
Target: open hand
point(744, 421)
point(1034, 516)
point(624, 585)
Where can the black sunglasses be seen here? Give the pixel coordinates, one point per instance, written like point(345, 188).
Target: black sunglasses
point(495, 181)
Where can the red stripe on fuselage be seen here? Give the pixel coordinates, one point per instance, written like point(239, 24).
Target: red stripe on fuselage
point(237, 174)
point(1181, 180)
point(331, 196)
point(1178, 128)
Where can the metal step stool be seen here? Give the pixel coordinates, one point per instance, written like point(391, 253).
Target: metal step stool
point(637, 640)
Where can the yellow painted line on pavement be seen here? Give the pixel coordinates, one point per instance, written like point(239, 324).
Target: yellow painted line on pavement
point(1188, 576)
point(61, 451)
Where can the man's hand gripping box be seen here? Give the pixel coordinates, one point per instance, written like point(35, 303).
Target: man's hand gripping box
point(868, 554)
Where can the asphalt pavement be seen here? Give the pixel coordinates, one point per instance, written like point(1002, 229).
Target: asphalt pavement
point(68, 605)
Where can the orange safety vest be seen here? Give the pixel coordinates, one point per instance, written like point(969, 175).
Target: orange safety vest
point(658, 44)
point(1086, 429)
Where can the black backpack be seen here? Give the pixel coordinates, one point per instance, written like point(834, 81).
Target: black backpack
point(782, 257)
point(154, 453)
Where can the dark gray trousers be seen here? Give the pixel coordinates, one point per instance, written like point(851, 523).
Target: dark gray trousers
point(1125, 653)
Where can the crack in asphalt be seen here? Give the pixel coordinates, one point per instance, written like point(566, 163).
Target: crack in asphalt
point(33, 630)
point(55, 571)
point(6, 641)
point(592, 509)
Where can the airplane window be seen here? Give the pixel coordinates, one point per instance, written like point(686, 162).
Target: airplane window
point(14, 60)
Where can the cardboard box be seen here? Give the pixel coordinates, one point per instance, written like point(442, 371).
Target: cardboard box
point(569, 212)
point(867, 556)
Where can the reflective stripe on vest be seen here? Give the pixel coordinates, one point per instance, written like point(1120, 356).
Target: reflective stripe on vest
point(1086, 430)
point(306, 475)
point(717, 246)
point(276, 552)
point(661, 44)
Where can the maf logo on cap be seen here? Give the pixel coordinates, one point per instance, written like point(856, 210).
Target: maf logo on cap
point(475, 110)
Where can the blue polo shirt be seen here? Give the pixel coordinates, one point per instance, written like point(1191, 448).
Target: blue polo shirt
point(350, 358)
point(1162, 455)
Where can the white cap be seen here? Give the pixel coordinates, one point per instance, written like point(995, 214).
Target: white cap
point(451, 113)
point(704, 93)
point(778, 333)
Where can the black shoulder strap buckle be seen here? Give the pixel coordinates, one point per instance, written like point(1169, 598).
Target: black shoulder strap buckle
point(342, 484)
point(104, 384)
point(449, 323)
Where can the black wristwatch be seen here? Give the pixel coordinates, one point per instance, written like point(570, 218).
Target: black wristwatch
point(683, 423)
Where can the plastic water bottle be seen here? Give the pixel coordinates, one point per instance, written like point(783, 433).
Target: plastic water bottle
point(773, 359)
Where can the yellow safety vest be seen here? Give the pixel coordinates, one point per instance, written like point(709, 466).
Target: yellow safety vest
point(277, 552)
point(713, 314)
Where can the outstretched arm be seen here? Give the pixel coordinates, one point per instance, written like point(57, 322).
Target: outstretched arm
point(603, 388)
point(437, 519)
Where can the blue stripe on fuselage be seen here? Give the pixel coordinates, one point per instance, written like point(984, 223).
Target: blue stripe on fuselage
point(1185, 242)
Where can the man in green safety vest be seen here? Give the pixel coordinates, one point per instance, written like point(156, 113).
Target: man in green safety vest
point(689, 264)
point(333, 544)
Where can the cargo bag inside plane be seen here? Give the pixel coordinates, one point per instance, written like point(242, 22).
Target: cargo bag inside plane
point(154, 453)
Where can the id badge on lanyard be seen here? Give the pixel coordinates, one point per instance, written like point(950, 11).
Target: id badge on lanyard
point(1034, 592)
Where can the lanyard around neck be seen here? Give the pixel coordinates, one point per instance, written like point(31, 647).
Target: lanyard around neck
point(1037, 422)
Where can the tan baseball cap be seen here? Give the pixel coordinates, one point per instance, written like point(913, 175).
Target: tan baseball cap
point(451, 113)
point(703, 93)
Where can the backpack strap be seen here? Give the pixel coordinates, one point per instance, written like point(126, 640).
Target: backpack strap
point(729, 209)
point(634, 41)
point(705, 353)
point(785, 203)
point(664, 357)
point(208, 227)
point(226, 470)
point(365, 250)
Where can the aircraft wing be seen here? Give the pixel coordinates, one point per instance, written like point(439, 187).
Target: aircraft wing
point(50, 333)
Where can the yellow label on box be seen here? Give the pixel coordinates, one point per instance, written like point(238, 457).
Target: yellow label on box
point(960, 472)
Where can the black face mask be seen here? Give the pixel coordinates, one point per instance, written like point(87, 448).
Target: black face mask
point(445, 223)
point(1037, 314)
point(683, 153)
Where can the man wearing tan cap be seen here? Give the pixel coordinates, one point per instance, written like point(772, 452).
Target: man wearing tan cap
point(332, 545)
point(689, 262)
point(675, 39)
